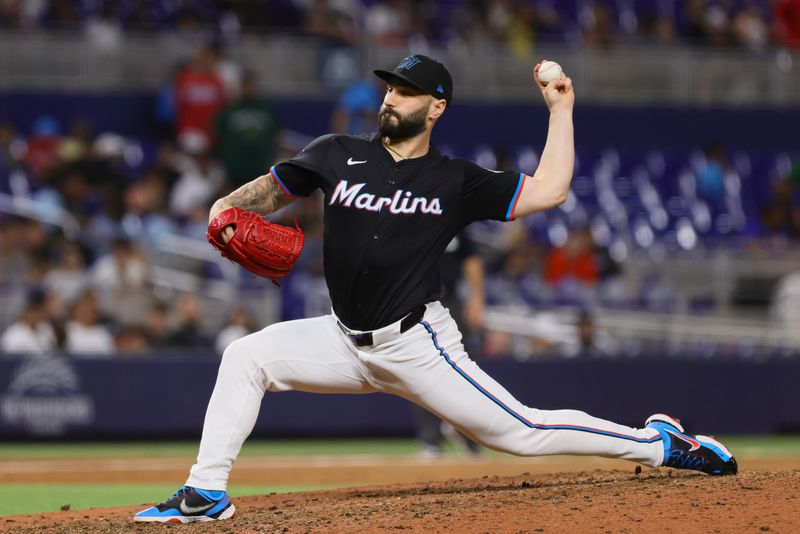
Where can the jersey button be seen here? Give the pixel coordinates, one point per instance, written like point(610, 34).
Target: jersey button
point(374, 236)
point(392, 182)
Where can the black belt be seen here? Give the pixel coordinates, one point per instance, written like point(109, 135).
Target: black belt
point(364, 339)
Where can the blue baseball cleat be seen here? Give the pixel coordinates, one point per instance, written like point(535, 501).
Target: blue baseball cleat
point(683, 451)
point(189, 505)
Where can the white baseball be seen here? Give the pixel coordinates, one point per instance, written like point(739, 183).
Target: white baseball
point(549, 71)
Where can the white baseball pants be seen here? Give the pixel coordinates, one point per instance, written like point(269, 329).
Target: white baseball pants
point(426, 365)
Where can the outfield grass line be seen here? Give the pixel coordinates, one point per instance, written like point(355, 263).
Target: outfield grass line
point(171, 449)
point(266, 462)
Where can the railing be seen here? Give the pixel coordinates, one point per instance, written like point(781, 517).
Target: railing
point(303, 66)
point(177, 267)
point(40, 211)
point(178, 263)
point(679, 330)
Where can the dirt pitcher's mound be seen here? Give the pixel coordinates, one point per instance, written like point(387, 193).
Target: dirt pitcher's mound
point(597, 501)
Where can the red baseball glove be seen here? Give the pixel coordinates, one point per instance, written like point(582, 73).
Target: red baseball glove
point(260, 246)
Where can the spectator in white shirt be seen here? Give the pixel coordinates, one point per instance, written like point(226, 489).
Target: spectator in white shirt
point(32, 333)
point(86, 335)
point(125, 267)
point(68, 277)
point(240, 325)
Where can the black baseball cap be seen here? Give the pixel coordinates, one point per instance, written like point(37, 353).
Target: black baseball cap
point(424, 73)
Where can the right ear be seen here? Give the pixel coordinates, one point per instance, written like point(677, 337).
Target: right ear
point(438, 107)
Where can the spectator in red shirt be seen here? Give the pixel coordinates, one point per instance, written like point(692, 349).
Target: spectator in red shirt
point(199, 95)
point(574, 260)
point(787, 23)
point(42, 151)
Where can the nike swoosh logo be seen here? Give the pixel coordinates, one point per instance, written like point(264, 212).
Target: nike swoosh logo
point(694, 443)
point(351, 161)
point(189, 510)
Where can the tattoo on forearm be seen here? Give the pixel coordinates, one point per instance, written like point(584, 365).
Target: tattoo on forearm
point(261, 195)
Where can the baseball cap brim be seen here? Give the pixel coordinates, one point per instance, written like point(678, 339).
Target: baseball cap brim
point(389, 76)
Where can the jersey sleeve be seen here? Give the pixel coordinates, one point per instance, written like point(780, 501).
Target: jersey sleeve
point(301, 175)
point(490, 194)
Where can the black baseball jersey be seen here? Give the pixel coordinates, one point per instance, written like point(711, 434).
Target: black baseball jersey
point(387, 222)
point(451, 262)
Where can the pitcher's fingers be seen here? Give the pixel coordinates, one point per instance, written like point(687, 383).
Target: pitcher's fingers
point(536, 75)
point(563, 84)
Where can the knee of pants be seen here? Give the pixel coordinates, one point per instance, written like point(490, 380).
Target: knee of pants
point(237, 354)
point(246, 353)
point(509, 442)
point(516, 448)
point(253, 357)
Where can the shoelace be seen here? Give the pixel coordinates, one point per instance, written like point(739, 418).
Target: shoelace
point(182, 491)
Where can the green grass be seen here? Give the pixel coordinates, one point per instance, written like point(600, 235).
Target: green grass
point(36, 498)
point(763, 446)
point(32, 498)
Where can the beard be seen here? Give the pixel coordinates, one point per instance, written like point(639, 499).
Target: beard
point(403, 127)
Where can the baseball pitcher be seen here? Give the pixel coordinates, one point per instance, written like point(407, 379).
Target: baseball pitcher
point(392, 204)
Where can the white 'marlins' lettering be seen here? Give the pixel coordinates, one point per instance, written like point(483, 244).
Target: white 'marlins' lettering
point(344, 195)
point(402, 202)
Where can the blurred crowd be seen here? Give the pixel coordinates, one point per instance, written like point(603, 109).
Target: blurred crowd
point(83, 213)
point(750, 24)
